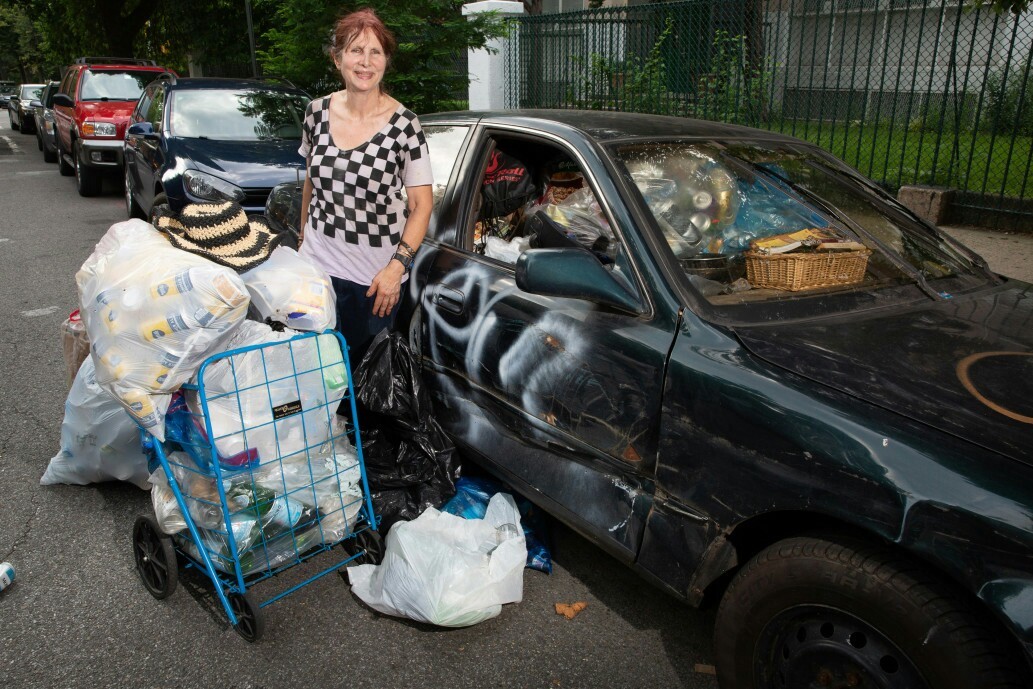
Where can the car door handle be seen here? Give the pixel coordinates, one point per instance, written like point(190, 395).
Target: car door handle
point(449, 299)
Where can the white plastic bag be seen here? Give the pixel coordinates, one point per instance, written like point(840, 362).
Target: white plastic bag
point(288, 289)
point(166, 509)
point(276, 400)
point(446, 570)
point(500, 249)
point(153, 313)
point(99, 441)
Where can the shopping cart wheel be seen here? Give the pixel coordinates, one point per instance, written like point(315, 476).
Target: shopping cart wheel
point(371, 546)
point(155, 558)
point(250, 622)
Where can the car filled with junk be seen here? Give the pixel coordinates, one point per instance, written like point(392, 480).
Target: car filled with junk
point(748, 373)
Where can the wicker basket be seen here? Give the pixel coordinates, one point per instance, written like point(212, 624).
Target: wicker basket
point(800, 271)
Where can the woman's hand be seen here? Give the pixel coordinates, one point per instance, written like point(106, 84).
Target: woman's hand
point(387, 285)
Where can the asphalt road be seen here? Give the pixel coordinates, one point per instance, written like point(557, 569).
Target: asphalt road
point(78, 616)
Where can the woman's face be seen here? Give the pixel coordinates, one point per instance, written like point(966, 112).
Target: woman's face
point(362, 63)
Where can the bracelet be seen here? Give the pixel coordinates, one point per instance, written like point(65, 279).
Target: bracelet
point(405, 245)
point(406, 261)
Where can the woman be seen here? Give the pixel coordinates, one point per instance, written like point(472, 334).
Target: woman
point(361, 148)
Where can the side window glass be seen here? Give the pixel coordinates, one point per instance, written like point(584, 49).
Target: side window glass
point(535, 195)
point(140, 111)
point(155, 110)
point(73, 82)
point(444, 144)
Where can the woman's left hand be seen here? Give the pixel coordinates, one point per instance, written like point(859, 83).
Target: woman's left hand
point(387, 285)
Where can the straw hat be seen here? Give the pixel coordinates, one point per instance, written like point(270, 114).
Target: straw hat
point(221, 232)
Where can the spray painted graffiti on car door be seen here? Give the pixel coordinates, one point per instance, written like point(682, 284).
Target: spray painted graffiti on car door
point(560, 394)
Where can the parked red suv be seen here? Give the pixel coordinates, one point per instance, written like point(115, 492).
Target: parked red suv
point(93, 104)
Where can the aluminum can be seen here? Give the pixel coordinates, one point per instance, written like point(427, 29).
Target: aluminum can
point(6, 575)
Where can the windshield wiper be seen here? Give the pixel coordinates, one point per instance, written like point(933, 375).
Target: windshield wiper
point(835, 213)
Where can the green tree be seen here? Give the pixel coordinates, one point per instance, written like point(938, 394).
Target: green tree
point(21, 56)
point(431, 35)
point(94, 27)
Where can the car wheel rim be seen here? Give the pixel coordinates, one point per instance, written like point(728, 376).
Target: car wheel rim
point(817, 646)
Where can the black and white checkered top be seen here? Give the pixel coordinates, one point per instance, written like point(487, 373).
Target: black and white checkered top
point(357, 211)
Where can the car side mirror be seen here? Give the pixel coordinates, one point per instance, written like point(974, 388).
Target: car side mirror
point(35, 104)
point(64, 100)
point(575, 273)
point(144, 129)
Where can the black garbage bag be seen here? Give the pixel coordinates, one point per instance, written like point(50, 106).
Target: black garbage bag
point(411, 463)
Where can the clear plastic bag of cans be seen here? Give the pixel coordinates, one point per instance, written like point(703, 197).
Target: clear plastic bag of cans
point(288, 289)
point(153, 313)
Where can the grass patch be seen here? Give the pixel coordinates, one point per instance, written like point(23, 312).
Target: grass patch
point(896, 156)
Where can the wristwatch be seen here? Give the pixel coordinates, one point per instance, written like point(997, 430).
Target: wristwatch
point(406, 261)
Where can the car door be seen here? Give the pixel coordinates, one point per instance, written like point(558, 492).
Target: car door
point(558, 395)
point(149, 151)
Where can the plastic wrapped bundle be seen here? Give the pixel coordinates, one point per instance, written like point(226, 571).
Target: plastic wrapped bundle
point(99, 442)
point(153, 313)
point(272, 402)
point(288, 289)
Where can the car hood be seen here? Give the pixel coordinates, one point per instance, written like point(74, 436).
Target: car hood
point(109, 111)
point(248, 164)
point(964, 366)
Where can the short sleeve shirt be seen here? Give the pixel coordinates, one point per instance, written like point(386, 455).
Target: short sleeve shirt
point(357, 211)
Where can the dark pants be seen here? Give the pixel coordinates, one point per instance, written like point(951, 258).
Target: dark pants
point(355, 318)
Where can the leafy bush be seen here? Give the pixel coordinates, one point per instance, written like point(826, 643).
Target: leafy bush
point(1009, 103)
point(733, 90)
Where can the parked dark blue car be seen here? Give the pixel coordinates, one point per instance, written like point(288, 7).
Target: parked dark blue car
point(206, 139)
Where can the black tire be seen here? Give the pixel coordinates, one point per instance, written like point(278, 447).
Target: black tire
point(39, 139)
point(87, 180)
point(368, 545)
point(10, 118)
point(155, 558)
point(815, 612)
point(63, 167)
point(49, 156)
point(133, 209)
point(26, 130)
point(160, 204)
point(250, 621)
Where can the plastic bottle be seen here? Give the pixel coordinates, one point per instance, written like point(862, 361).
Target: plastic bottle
point(6, 575)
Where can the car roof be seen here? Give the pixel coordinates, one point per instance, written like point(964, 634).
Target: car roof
point(230, 83)
point(611, 126)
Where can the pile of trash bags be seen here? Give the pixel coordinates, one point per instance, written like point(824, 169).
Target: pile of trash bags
point(149, 315)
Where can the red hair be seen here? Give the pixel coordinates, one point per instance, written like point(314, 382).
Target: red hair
point(353, 25)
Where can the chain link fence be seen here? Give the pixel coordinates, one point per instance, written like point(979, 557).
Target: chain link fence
point(909, 92)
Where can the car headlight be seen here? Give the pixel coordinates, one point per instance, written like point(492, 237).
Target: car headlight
point(91, 128)
point(209, 187)
point(48, 116)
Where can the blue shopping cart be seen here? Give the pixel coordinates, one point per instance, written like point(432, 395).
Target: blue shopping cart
point(260, 473)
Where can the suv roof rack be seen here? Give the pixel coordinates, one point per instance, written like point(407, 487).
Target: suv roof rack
point(115, 61)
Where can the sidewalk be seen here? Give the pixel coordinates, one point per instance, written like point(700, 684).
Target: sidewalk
point(1008, 253)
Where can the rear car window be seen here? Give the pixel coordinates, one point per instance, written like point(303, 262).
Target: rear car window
point(114, 84)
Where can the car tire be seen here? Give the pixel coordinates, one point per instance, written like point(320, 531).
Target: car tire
point(10, 118)
point(26, 131)
point(823, 612)
point(63, 167)
point(39, 139)
point(133, 209)
point(161, 204)
point(87, 181)
point(49, 156)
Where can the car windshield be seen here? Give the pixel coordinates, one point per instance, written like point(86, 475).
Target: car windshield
point(122, 84)
point(31, 92)
point(237, 115)
point(766, 221)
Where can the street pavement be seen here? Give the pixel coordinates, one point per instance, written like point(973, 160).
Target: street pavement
point(78, 616)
